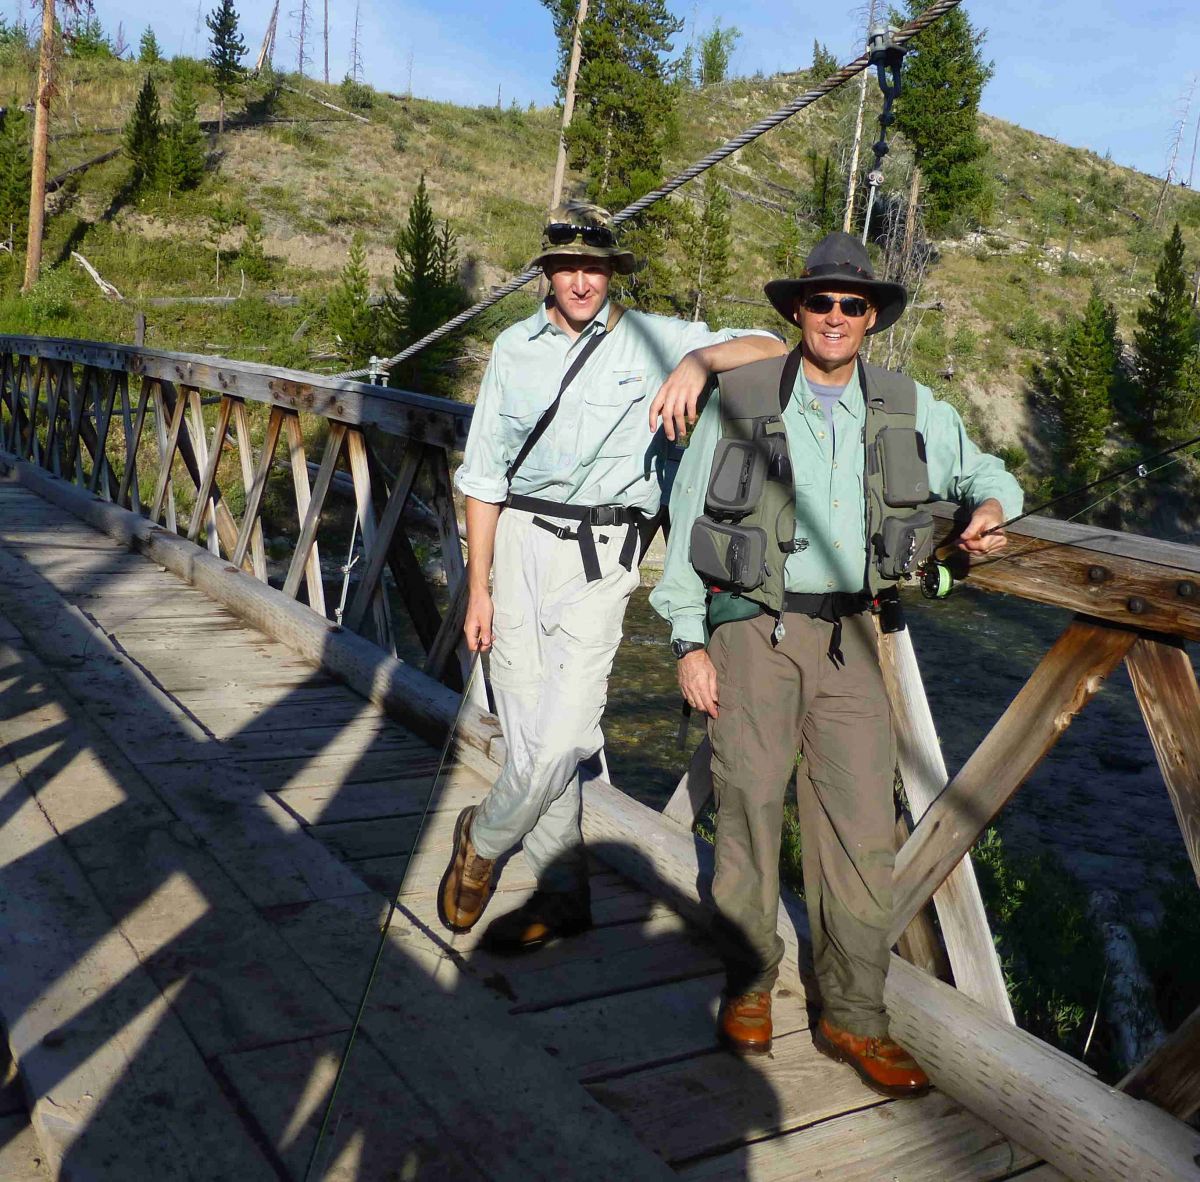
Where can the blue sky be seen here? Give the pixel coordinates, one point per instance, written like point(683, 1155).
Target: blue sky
point(1106, 74)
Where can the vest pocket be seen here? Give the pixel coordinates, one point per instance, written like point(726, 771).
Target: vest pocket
point(733, 556)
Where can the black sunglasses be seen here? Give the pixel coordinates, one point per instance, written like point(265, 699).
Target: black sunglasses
point(560, 233)
point(850, 305)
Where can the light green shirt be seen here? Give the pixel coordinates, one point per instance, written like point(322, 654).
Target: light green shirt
point(830, 503)
point(599, 450)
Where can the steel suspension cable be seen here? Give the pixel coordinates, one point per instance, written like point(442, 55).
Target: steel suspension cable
point(906, 34)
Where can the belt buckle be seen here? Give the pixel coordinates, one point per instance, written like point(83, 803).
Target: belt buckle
point(605, 514)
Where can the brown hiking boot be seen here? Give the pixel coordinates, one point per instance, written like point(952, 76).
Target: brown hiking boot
point(467, 881)
point(882, 1064)
point(545, 916)
point(745, 1023)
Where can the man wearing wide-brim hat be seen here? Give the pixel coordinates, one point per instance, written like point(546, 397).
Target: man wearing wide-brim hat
point(564, 478)
point(797, 511)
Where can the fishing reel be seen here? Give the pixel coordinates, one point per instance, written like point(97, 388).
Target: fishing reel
point(937, 580)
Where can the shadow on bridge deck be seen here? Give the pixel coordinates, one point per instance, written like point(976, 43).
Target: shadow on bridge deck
point(184, 960)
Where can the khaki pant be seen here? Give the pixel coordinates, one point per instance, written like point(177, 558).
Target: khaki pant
point(555, 639)
point(775, 701)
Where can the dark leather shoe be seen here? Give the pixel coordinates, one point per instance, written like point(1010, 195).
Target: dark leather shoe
point(882, 1064)
point(545, 916)
point(467, 881)
point(745, 1023)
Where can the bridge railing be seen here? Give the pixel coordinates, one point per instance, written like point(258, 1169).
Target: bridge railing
point(128, 423)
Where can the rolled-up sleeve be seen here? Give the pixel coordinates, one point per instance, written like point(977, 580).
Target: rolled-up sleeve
point(958, 470)
point(679, 596)
point(481, 474)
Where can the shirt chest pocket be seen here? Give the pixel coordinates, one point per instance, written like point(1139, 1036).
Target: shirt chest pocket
point(518, 417)
point(614, 409)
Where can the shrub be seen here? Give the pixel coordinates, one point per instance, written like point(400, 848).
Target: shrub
point(357, 95)
point(1014, 457)
point(1027, 330)
point(963, 344)
point(50, 298)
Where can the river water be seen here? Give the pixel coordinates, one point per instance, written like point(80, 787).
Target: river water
point(1096, 803)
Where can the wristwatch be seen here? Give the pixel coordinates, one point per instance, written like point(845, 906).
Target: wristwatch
point(681, 648)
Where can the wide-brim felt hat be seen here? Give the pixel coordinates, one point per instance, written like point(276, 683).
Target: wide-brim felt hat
point(584, 213)
point(840, 261)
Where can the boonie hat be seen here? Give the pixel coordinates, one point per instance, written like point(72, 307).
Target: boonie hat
point(581, 228)
point(840, 260)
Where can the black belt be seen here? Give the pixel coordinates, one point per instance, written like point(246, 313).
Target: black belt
point(587, 516)
point(830, 608)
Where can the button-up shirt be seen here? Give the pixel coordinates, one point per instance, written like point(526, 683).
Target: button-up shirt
point(599, 450)
point(830, 499)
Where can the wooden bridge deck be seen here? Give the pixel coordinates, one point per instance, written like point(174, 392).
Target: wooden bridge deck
point(188, 959)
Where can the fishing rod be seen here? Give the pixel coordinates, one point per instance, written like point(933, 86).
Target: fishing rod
point(447, 746)
point(937, 580)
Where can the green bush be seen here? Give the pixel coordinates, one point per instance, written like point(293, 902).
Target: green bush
point(1027, 330)
point(190, 70)
point(1014, 457)
point(50, 298)
point(964, 344)
point(1170, 953)
point(357, 95)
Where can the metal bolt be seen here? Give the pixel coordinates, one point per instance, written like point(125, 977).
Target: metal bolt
point(1097, 574)
point(1136, 604)
point(1186, 589)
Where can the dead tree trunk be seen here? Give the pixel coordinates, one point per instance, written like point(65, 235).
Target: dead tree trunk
point(41, 133)
point(858, 123)
point(560, 166)
point(910, 221)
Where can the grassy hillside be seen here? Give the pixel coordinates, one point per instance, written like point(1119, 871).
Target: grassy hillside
point(1004, 289)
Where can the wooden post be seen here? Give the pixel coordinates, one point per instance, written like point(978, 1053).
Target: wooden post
point(560, 164)
point(694, 789)
point(359, 468)
point(919, 943)
point(210, 460)
point(254, 495)
point(968, 937)
point(316, 589)
point(1169, 696)
point(41, 138)
point(306, 544)
point(128, 495)
point(241, 427)
point(1070, 673)
point(166, 460)
point(1170, 1075)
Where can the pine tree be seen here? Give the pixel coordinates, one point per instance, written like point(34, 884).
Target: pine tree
point(89, 42)
point(347, 312)
point(1165, 344)
point(16, 171)
point(226, 55)
point(1081, 381)
point(712, 246)
point(182, 150)
point(624, 121)
point(148, 49)
point(425, 291)
point(823, 63)
point(143, 133)
point(715, 48)
point(938, 113)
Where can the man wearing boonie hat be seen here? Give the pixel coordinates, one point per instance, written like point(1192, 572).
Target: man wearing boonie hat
point(796, 511)
point(564, 479)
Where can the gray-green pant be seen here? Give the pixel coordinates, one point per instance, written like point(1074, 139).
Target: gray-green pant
point(774, 701)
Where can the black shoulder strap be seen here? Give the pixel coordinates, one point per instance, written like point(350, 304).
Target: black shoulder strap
point(615, 312)
point(787, 379)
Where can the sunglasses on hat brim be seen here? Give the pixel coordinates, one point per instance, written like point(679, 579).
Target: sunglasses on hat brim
point(561, 234)
point(854, 306)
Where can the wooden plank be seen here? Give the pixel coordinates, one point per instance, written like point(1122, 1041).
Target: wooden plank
point(168, 442)
point(920, 943)
point(694, 789)
point(389, 522)
point(408, 575)
point(424, 417)
point(911, 1141)
point(445, 643)
point(254, 497)
point(306, 545)
point(241, 426)
point(104, 409)
point(209, 460)
point(53, 461)
point(1165, 684)
point(508, 1101)
point(1062, 684)
point(1170, 1075)
point(709, 1102)
point(376, 799)
point(964, 922)
point(295, 437)
point(128, 493)
point(609, 1038)
point(72, 463)
point(1126, 579)
point(357, 450)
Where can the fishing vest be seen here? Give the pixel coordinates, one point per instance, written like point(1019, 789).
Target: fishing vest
point(742, 541)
